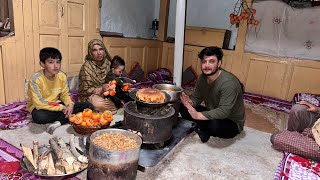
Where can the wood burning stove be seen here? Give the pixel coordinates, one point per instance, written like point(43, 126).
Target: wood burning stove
point(154, 123)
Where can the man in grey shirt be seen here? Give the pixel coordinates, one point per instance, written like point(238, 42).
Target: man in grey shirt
point(224, 113)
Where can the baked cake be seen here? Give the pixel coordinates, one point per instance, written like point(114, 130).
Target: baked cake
point(151, 95)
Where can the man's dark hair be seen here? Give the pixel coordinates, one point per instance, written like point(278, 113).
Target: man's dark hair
point(211, 51)
point(117, 61)
point(49, 52)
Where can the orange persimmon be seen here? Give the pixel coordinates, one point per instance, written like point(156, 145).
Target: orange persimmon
point(106, 93)
point(106, 114)
point(109, 119)
point(90, 122)
point(103, 121)
point(87, 112)
point(112, 87)
point(112, 92)
point(125, 87)
point(83, 123)
point(96, 116)
point(77, 120)
point(114, 82)
point(72, 117)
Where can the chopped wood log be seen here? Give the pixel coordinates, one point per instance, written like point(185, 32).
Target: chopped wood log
point(28, 159)
point(74, 151)
point(51, 168)
point(76, 166)
point(66, 155)
point(43, 164)
point(55, 147)
point(35, 151)
point(67, 167)
point(59, 167)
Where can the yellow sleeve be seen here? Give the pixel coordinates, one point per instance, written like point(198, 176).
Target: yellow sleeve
point(65, 95)
point(38, 101)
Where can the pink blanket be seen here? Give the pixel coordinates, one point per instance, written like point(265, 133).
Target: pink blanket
point(294, 167)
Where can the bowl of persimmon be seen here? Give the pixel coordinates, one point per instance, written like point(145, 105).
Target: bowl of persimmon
point(87, 122)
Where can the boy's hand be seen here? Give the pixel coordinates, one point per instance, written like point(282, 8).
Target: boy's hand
point(67, 110)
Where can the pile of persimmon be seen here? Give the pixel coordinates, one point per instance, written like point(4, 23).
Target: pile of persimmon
point(111, 88)
point(91, 119)
point(246, 14)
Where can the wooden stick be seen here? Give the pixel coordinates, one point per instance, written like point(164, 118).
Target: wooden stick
point(55, 147)
point(66, 155)
point(35, 151)
point(51, 169)
point(28, 159)
point(43, 165)
point(74, 151)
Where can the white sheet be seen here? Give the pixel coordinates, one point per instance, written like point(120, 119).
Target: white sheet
point(285, 31)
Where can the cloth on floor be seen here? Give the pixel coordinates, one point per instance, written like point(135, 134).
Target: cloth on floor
point(10, 153)
point(295, 167)
point(14, 115)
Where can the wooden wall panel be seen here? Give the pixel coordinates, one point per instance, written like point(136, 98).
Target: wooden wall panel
point(152, 60)
point(256, 76)
point(147, 52)
point(118, 50)
point(49, 41)
point(136, 56)
point(14, 73)
point(304, 79)
point(49, 14)
point(274, 78)
point(77, 15)
point(76, 54)
point(2, 87)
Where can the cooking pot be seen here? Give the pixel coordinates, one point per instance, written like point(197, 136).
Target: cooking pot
point(173, 90)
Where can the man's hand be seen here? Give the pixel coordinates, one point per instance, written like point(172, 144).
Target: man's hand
point(67, 110)
point(311, 107)
point(185, 99)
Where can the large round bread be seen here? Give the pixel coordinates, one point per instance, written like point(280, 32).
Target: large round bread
point(151, 95)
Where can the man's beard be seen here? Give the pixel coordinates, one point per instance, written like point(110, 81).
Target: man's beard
point(212, 73)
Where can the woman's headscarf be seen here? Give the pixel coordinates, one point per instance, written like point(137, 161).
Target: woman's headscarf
point(93, 72)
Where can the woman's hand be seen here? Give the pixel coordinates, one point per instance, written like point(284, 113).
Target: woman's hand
point(105, 87)
point(311, 107)
point(98, 91)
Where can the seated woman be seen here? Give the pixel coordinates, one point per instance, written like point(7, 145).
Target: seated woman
point(298, 138)
point(92, 76)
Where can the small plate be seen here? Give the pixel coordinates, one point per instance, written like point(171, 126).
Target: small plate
point(57, 176)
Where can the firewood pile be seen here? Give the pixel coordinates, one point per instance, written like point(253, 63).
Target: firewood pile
point(59, 159)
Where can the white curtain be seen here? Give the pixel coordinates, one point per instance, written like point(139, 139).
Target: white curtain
point(285, 31)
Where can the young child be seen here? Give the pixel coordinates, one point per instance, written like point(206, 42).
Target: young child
point(48, 94)
point(116, 70)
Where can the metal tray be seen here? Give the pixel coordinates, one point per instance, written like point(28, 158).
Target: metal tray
point(58, 176)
